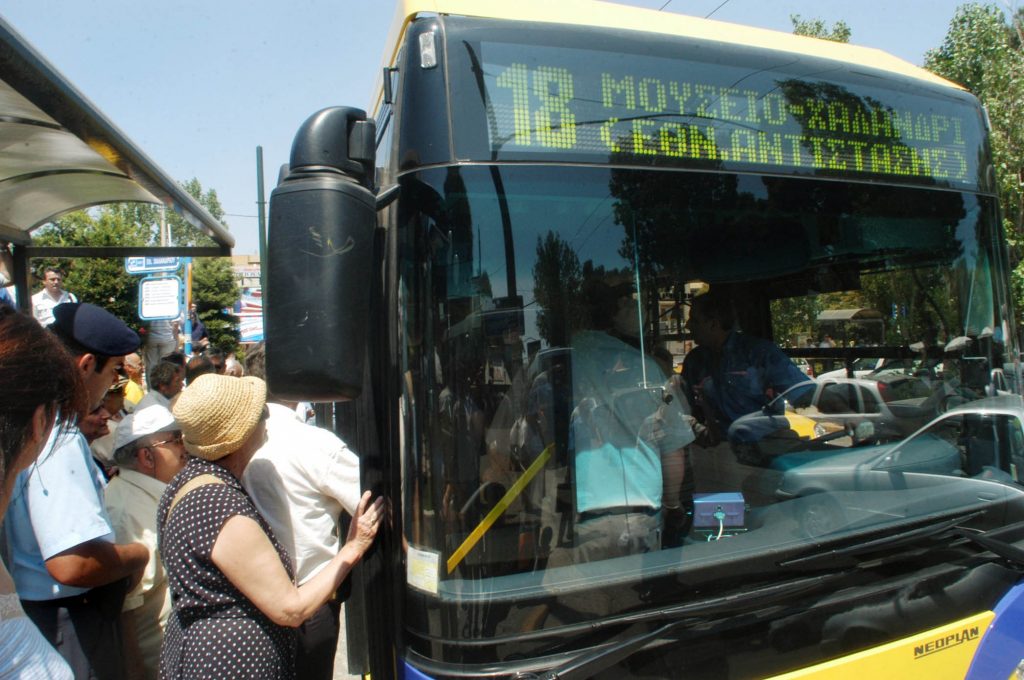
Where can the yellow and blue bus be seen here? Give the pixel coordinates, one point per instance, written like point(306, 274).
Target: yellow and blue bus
point(553, 288)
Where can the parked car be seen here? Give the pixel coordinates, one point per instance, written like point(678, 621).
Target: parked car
point(981, 439)
point(860, 368)
point(804, 365)
point(981, 442)
point(894, 405)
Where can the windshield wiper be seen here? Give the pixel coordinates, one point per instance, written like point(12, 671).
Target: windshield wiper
point(587, 664)
point(1007, 551)
point(846, 553)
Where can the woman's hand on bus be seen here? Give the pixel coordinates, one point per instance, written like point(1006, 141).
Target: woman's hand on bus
point(365, 523)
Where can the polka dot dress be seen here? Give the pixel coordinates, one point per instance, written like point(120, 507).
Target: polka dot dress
point(214, 631)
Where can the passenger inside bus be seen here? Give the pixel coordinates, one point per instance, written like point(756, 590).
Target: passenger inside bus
point(627, 443)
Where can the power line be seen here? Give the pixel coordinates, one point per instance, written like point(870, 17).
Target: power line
point(708, 16)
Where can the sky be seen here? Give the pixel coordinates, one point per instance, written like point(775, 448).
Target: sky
point(199, 84)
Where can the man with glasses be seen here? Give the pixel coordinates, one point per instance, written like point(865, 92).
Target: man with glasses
point(149, 452)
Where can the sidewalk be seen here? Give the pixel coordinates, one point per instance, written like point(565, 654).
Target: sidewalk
point(341, 658)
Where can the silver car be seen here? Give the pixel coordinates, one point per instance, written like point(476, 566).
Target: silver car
point(983, 439)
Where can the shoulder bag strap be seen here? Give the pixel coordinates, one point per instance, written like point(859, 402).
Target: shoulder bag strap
point(191, 485)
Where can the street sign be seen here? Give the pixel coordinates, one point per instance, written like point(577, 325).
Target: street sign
point(159, 298)
point(149, 265)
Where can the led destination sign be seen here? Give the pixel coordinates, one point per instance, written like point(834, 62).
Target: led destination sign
point(544, 100)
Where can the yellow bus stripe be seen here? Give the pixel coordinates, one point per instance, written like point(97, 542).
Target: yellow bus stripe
point(944, 652)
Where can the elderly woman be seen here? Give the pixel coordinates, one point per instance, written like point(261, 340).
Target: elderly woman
point(40, 387)
point(235, 602)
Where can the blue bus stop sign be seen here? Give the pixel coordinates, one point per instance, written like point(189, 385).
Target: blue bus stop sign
point(149, 265)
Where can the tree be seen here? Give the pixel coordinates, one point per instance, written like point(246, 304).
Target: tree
point(815, 28)
point(558, 290)
point(101, 281)
point(214, 288)
point(182, 232)
point(215, 291)
point(983, 53)
point(104, 282)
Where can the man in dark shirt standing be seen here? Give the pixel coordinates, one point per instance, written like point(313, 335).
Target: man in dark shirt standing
point(731, 374)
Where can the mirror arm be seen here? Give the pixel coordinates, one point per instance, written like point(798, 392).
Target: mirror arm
point(386, 196)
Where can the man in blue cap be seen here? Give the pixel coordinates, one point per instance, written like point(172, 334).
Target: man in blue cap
point(70, 575)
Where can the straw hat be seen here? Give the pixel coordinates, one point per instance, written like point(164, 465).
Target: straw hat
point(217, 413)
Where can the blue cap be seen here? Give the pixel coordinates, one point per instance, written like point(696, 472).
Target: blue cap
point(94, 328)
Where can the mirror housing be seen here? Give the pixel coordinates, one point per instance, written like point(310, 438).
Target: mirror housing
point(320, 259)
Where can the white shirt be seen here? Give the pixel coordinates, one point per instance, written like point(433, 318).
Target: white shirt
point(161, 330)
point(24, 653)
point(301, 479)
point(43, 304)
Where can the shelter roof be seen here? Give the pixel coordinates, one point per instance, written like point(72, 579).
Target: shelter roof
point(59, 153)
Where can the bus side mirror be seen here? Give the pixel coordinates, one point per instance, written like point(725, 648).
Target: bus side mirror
point(320, 260)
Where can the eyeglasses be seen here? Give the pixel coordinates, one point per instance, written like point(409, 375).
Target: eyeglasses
point(177, 438)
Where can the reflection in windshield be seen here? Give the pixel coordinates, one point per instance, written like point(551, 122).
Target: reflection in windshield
point(609, 379)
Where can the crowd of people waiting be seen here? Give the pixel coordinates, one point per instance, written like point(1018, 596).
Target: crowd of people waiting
point(190, 530)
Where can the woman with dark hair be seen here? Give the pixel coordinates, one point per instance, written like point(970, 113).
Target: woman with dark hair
point(42, 390)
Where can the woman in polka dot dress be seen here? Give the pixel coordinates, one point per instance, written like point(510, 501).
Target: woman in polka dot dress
point(235, 602)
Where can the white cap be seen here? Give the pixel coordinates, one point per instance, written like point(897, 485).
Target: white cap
point(153, 418)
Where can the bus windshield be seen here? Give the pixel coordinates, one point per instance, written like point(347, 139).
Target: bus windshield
point(556, 433)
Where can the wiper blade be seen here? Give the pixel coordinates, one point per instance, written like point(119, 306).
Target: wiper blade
point(588, 663)
point(845, 553)
point(1007, 551)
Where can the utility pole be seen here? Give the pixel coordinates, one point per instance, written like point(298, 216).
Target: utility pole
point(262, 218)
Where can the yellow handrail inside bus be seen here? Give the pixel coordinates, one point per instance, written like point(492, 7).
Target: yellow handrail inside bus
point(499, 509)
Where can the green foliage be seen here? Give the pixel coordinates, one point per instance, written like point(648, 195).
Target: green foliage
point(794, 317)
point(983, 52)
point(215, 290)
point(558, 289)
point(183, 233)
point(101, 281)
point(104, 282)
point(815, 28)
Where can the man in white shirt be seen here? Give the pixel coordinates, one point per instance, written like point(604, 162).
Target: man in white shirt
point(301, 480)
point(149, 452)
point(50, 296)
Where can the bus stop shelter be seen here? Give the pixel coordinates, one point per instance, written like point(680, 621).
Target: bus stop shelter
point(59, 153)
